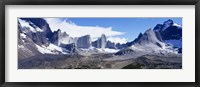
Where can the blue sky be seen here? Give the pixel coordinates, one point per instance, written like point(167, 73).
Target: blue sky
point(131, 26)
point(116, 28)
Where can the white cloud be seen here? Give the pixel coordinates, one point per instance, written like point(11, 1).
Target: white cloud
point(55, 20)
point(76, 31)
point(117, 40)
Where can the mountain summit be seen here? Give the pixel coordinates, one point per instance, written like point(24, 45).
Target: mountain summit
point(169, 32)
point(149, 38)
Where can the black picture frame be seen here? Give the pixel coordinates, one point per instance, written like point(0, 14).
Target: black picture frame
point(99, 2)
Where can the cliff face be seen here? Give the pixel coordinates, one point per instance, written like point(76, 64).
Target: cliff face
point(61, 38)
point(30, 35)
point(149, 38)
point(111, 45)
point(84, 42)
point(100, 42)
point(169, 30)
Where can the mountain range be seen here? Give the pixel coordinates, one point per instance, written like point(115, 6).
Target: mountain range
point(36, 38)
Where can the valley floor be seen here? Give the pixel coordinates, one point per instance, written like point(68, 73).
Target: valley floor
point(101, 61)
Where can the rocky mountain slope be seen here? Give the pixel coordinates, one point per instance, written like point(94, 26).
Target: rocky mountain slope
point(170, 32)
point(35, 37)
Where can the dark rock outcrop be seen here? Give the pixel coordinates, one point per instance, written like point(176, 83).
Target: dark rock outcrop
point(168, 30)
point(111, 45)
point(84, 42)
point(42, 24)
point(100, 42)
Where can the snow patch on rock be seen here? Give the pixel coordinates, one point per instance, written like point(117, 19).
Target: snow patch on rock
point(175, 24)
point(107, 50)
point(22, 35)
point(51, 49)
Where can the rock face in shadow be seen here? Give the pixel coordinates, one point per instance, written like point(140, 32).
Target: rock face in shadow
point(128, 44)
point(111, 45)
point(28, 37)
point(42, 24)
point(100, 42)
point(38, 35)
point(84, 42)
point(158, 36)
point(61, 38)
point(169, 32)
